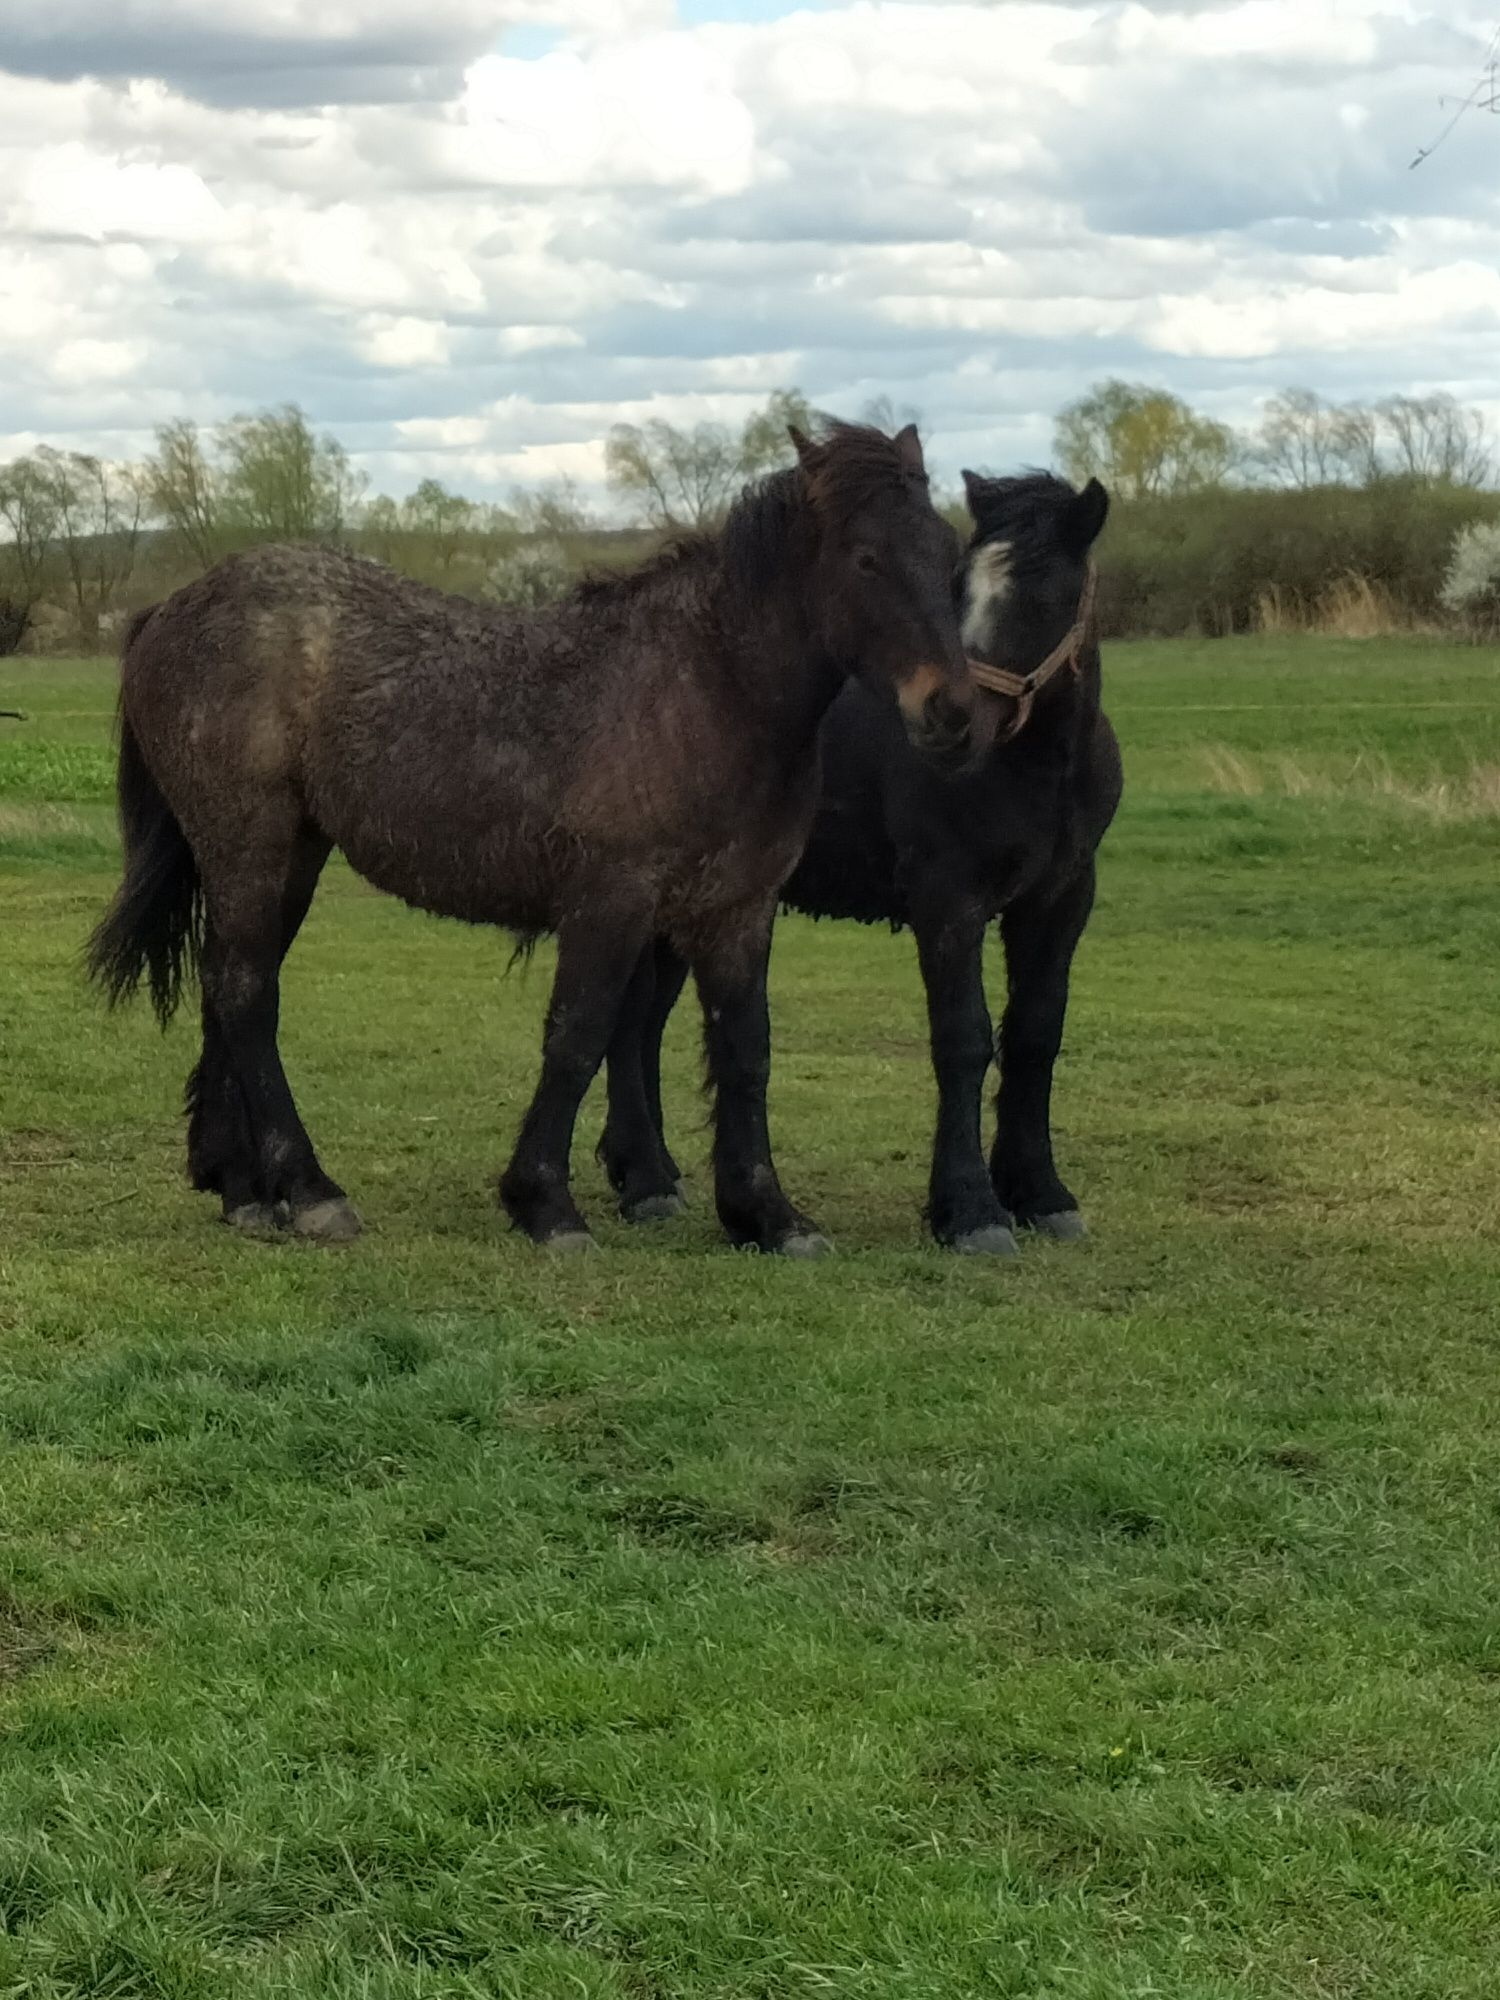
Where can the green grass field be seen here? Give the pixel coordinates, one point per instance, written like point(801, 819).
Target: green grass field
point(435, 1619)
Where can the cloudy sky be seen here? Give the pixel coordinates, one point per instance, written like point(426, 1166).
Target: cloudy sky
point(467, 235)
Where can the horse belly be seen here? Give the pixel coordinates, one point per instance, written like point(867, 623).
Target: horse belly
point(465, 842)
point(478, 886)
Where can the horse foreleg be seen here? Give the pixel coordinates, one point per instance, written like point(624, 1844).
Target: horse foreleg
point(963, 1210)
point(731, 976)
point(1040, 939)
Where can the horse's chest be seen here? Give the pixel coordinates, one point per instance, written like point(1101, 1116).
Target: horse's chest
point(1008, 871)
point(1024, 838)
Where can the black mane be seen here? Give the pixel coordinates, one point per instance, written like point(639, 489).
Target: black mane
point(1023, 510)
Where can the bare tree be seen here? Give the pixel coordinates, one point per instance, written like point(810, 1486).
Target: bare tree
point(1436, 440)
point(28, 509)
point(674, 477)
point(882, 412)
point(101, 509)
point(554, 508)
point(1305, 441)
point(1295, 444)
point(1354, 444)
point(680, 478)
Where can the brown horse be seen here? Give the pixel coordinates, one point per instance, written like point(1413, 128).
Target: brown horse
point(639, 760)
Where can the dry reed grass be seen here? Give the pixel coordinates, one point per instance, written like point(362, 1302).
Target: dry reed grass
point(1350, 607)
point(1444, 796)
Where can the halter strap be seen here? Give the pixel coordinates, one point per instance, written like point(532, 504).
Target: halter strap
point(1023, 689)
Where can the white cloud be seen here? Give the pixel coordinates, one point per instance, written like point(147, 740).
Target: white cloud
point(80, 364)
point(406, 343)
point(465, 251)
point(72, 190)
point(658, 112)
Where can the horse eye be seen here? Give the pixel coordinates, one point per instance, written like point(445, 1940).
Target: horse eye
point(866, 562)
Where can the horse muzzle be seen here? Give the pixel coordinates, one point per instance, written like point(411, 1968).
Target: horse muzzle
point(939, 727)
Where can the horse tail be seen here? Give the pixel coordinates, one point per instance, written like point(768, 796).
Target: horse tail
point(153, 929)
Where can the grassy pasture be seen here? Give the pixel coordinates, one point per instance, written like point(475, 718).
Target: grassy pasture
point(434, 1619)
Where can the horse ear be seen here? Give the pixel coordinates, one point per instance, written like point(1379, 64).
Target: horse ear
point(1087, 513)
point(974, 491)
point(802, 444)
point(910, 447)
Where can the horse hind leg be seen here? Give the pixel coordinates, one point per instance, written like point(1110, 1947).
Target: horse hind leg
point(221, 1145)
point(222, 1154)
point(598, 951)
point(246, 1141)
point(633, 1149)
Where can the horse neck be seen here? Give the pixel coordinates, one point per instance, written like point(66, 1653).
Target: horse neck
point(780, 665)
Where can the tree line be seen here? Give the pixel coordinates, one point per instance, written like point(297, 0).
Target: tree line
point(83, 540)
point(1146, 443)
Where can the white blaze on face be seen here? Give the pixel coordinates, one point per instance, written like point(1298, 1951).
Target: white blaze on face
point(986, 589)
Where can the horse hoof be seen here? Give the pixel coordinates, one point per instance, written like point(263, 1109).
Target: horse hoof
point(653, 1208)
point(1066, 1226)
point(569, 1243)
point(327, 1222)
point(805, 1244)
point(253, 1218)
point(994, 1240)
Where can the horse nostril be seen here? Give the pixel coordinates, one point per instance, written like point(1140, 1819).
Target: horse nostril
point(943, 720)
point(943, 735)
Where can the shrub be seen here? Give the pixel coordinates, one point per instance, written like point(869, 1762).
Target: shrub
point(1211, 562)
point(531, 573)
point(1471, 587)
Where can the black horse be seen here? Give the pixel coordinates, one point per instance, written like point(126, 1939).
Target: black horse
point(895, 842)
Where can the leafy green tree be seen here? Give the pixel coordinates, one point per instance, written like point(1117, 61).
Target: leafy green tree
point(187, 491)
point(444, 521)
point(266, 476)
point(380, 530)
point(765, 442)
point(282, 482)
point(1144, 443)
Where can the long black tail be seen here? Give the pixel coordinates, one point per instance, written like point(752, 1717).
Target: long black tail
point(154, 927)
